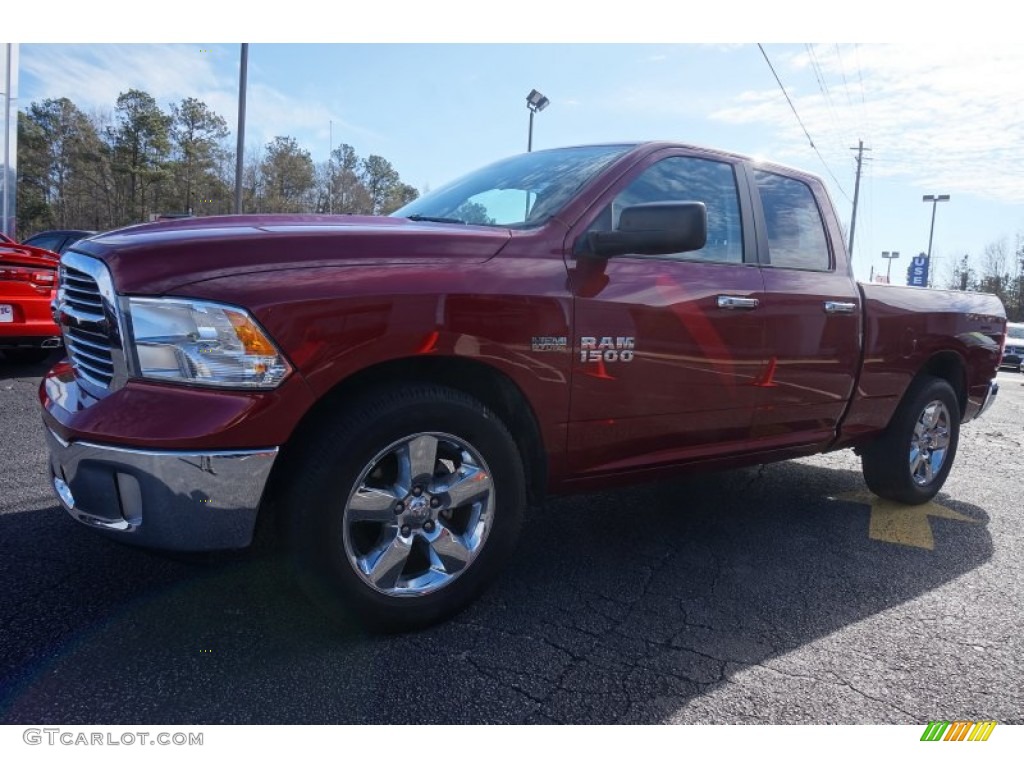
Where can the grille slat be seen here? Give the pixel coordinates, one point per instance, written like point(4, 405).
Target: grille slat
point(77, 282)
point(93, 344)
point(96, 337)
point(88, 340)
point(79, 297)
point(98, 380)
point(92, 359)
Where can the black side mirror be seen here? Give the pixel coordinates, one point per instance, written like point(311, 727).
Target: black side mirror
point(651, 229)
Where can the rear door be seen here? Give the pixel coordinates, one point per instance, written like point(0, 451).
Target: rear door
point(667, 348)
point(812, 312)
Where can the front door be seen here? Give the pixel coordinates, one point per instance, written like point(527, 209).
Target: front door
point(669, 350)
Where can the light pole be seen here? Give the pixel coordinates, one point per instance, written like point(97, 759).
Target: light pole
point(243, 67)
point(535, 102)
point(934, 200)
point(889, 257)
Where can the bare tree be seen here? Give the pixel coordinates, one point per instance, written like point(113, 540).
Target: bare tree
point(994, 276)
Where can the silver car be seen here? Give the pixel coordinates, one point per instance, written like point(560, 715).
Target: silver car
point(1013, 350)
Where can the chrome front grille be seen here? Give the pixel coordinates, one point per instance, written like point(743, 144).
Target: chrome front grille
point(87, 312)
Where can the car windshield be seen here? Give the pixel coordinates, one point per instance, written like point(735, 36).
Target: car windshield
point(1015, 332)
point(519, 192)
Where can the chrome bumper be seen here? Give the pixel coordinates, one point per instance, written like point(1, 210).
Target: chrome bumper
point(990, 397)
point(173, 500)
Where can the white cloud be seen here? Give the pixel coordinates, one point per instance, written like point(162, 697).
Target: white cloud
point(93, 76)
point(944, 118)
point(271, 113)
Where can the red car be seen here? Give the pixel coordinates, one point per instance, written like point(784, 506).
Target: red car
point(28, 283)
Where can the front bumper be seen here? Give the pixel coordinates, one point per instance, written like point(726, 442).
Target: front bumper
point(993, 391)
point(1011, 361)
point(174, 500)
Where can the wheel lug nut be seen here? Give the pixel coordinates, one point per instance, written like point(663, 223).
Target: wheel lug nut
point(435, 502)
point(428, 526)
point(406, 530)
point(416, 490)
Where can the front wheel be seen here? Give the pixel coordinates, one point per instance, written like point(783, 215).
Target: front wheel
point(910, 462)
point(406, 507)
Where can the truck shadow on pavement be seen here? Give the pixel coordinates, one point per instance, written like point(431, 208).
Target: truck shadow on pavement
point(624, 606)
point(12, 370)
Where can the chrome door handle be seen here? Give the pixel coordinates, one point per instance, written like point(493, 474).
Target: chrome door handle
point(840, 307)
point(737, 302)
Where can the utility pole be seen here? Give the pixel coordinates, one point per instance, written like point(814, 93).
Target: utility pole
point(242, 75)
point(9, 136)
point(856, 192)
point(330, 170)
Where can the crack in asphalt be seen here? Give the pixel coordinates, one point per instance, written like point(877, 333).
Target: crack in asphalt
point(913, 718)
point(484, 672)
point(761, 468)
point(837, 680)
point(608, 606)
point(575, 659)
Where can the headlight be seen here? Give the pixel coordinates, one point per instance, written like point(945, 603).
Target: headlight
point(200, 342)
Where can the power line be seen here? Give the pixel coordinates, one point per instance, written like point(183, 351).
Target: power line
point(846, 87)
point(797, 116)
point(819, 75)
point(860, 78)
point(842, 71)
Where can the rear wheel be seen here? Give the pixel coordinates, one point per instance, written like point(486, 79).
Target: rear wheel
point(911, 461)
point(406, 507)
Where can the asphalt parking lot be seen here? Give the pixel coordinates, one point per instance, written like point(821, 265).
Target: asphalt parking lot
point(776, 594)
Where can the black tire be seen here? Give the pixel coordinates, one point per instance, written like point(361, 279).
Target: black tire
point(364, 449)
point(26, 356)
point(900, 465)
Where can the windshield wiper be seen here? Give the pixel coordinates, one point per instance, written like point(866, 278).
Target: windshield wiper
point(439, 219)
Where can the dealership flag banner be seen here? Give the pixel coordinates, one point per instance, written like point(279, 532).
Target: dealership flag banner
point(917, 272)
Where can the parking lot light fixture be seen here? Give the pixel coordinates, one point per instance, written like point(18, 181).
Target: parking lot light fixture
point(535, 102)
point(934, 200)
point(889, 256)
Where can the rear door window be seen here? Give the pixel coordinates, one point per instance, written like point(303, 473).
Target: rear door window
point(796, 232)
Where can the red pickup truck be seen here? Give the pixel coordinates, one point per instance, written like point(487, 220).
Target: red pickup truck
point(391, 392)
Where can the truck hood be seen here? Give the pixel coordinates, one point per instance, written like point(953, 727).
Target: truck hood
point(157, 258)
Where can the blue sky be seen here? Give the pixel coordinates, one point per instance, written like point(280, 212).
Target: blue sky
point(940, 118)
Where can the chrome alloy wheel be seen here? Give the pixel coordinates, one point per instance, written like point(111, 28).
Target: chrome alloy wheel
point(418, 515)
point(929, 443)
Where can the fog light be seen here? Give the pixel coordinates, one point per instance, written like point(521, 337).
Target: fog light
point(64, 492)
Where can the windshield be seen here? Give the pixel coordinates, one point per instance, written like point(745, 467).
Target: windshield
point(1015, 331)
point(519, 192)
